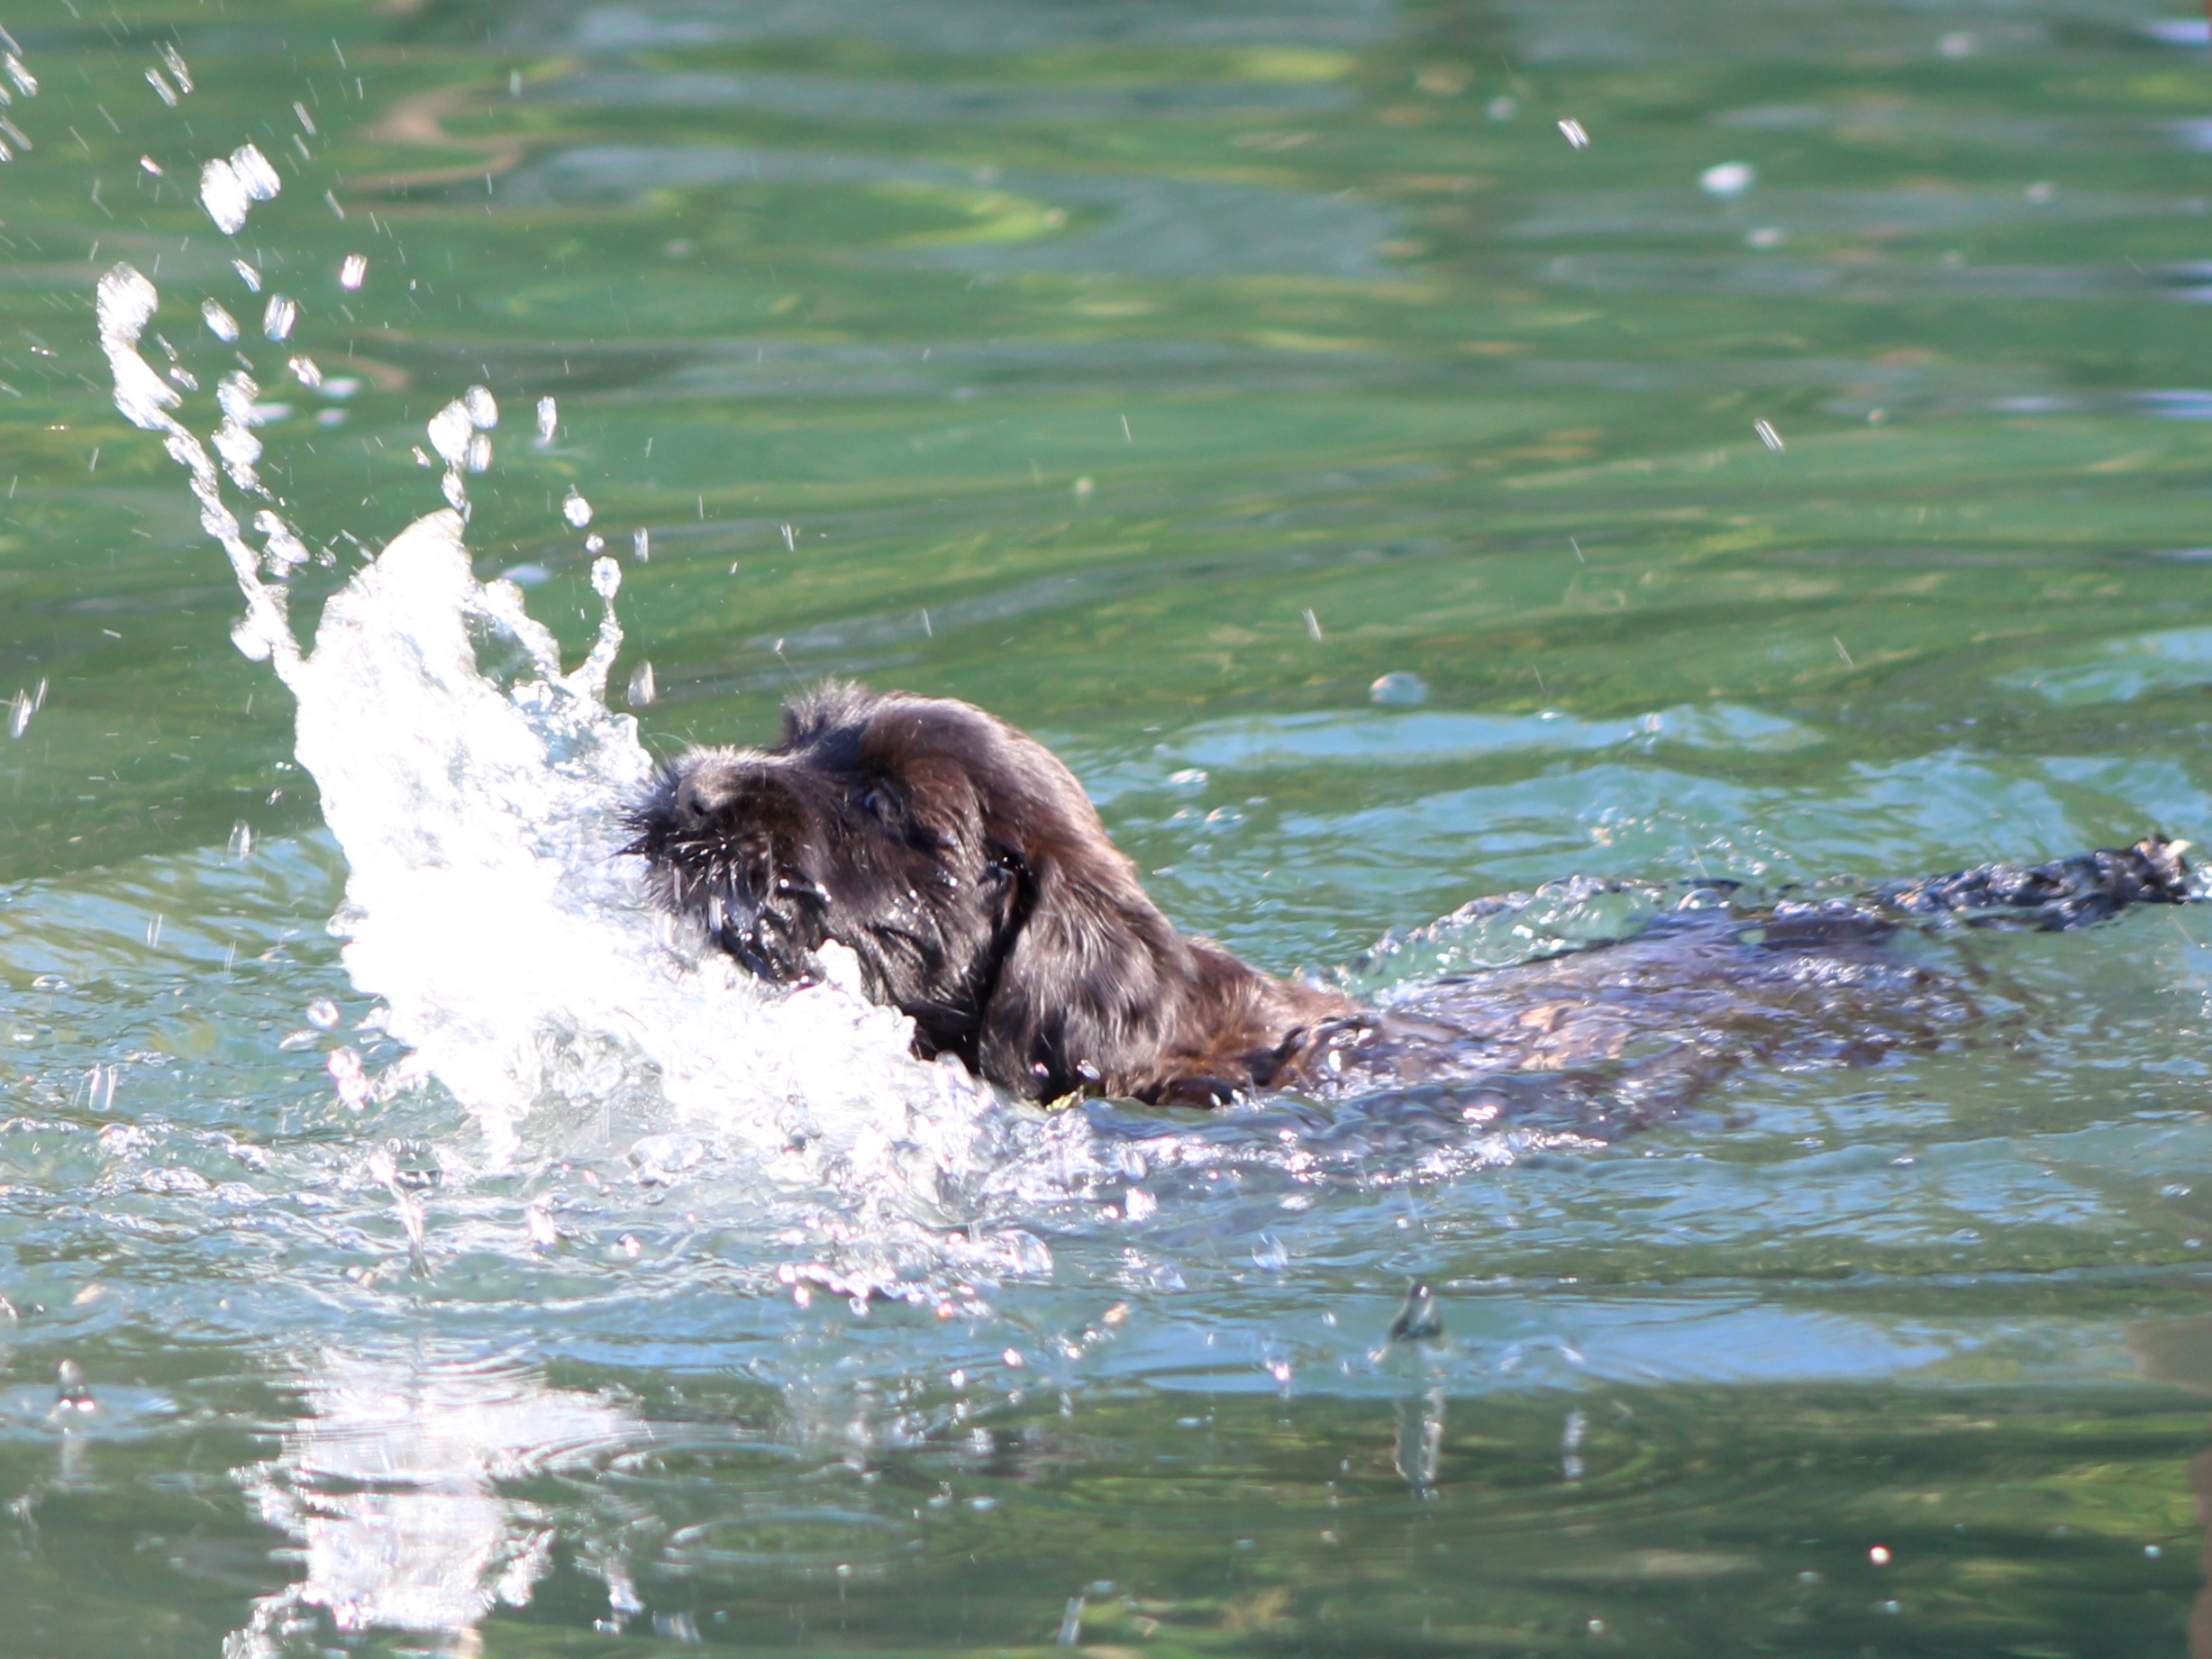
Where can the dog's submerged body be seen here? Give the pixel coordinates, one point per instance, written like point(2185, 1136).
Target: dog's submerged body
point(970, 876)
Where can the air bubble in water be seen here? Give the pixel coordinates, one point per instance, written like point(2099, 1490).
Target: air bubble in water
point(221, 322)
point(574, 507)
point(278, 318)
point(641, 689)
point(549, 419)
point(352, 269)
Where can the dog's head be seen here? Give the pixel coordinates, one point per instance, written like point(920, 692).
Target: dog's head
point(959, 861)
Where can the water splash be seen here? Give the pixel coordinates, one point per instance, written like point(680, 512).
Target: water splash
point(488, 908)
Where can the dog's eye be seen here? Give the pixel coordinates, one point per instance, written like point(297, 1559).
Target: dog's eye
point(875, 802)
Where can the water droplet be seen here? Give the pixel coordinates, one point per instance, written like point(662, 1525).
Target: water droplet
point(450, 431)
point(230, 186)
point(1768, 436)
point(241, 840)
point(605, 577)
point(305, 372)
point(352, 269)
point(25, 82)
point(641, 546)
point(1574, 133)
point(22, 706)
point(660, 1159)
point(549, 419)
point(278, 318)
point(219, 322)
point(162, 89)
point(151, 165)
point(573, 507)
point(344, 1065)
point(72, 1393)
point(1398, 689)
point(322, 1013)
point(641, 689)
point(1418, 1319)
point(1728, 179)
point(174, 60)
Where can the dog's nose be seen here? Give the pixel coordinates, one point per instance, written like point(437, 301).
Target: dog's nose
point(697, 798)
point(706, 788)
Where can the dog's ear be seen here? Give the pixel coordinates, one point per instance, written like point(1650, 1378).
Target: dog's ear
point(1086, 987)
point(833, 706)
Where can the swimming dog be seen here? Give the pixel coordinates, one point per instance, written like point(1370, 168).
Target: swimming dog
point(970, 876)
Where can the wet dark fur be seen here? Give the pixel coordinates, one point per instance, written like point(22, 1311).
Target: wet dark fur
point(967, 870)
